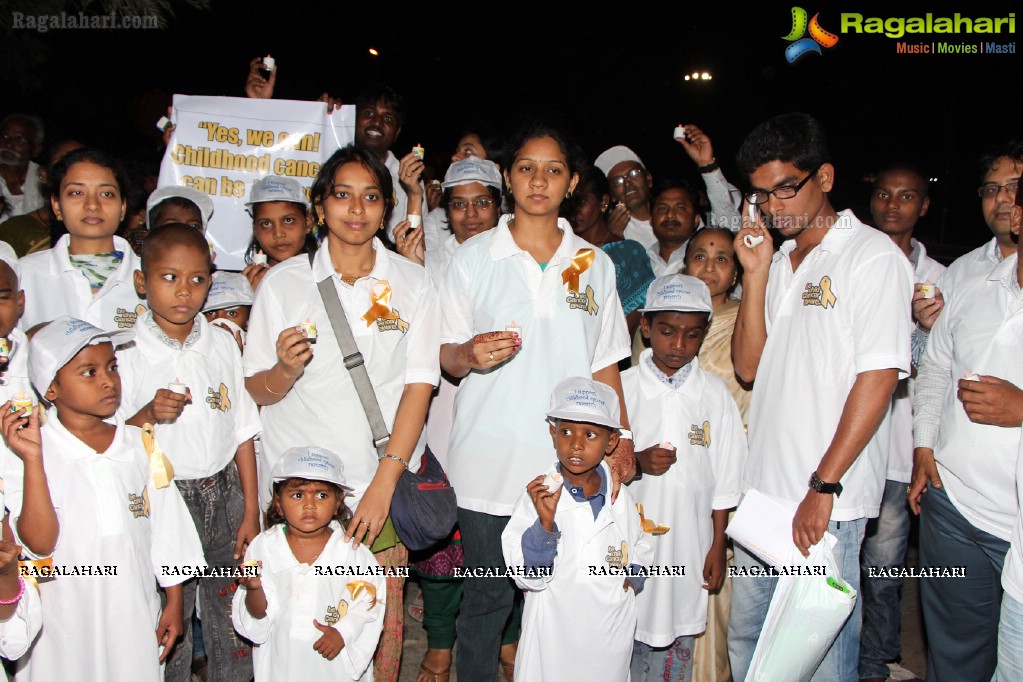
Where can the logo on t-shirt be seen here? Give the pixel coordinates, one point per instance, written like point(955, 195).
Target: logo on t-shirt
point(336, 613)
point(126, 319)
point(380, 311)
point(138, 505)
point(583, 301)
point(218, 400)
point(820, 294)
point(618, 558)
point(700, 435)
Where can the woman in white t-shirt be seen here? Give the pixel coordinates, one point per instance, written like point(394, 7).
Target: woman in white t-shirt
point(525, 305)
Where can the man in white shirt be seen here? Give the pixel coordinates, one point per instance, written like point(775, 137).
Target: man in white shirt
point(630, 187)
point(824, 329)
point(674, 218)
point(967, 414)
point(21, 140)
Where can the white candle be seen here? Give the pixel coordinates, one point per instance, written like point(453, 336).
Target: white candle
point(177, 387)
point(259, 258)
point(680, 132)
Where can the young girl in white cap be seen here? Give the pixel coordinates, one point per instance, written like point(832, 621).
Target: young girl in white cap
point(316, 609)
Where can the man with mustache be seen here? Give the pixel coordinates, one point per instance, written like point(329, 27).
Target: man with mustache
point(630, 186)
point(21, 139)
point(674, 218)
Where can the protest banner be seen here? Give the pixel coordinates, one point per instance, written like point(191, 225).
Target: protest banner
point(221, 145)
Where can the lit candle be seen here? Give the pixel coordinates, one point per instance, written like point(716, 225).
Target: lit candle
point(259, 258)
point(177, 387)
point(309, 327)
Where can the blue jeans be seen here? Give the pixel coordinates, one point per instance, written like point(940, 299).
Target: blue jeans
point(1010, 642)
point(960, 614)
point(752, 595)
point(217, 506)
point(486, 602)
point(884, 545)
point(655, 664)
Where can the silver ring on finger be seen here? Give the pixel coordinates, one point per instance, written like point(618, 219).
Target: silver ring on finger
point(491, 356)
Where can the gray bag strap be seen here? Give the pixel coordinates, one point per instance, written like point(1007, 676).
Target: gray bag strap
point(354, 362)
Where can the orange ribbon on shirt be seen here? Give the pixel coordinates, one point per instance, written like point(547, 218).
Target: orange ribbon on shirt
point(41, 566)
point(159, 465)
point(649, 526)
point(356, 587)
point(380, 306)
point(828, 299)
point(581, 262)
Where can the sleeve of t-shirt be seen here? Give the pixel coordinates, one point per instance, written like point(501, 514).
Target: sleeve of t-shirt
point(882, 314)
point(246, 414)
point(265, 324)
point(613, 344)
point(456, 322)
point(728, 454)
point(522, 518)
point(932, 381)
point(422, 354)
point(129, 404)
point(14, 497)
point(256, 630)
point(364, 622)
point(18, 632)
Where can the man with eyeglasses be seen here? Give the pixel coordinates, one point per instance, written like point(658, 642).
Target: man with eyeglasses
point(630, 185)
point(21, 140)
point(823, 333)
point(968, 408)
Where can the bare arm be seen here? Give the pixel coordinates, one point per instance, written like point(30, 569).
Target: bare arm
point(245, 459)
point(750, 333)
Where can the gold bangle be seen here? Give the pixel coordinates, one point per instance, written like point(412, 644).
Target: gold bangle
point(267, 386)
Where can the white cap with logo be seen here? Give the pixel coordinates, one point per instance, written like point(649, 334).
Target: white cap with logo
point(614, 156)
point(472, 169)
point(579, 399)
point(200, 199)
point(271, 188)
point(229, 289)
point(678, 293)
point(56, 344)
point(311, 463)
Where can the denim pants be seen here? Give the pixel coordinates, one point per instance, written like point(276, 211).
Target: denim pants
point(884, 545)
point(960, 614)
point(1010, 641)
point(217, 506)
point(656, 664)
point(752, 595)
point(486, 602)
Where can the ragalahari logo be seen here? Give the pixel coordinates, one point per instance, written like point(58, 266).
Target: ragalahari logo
point(800, 46)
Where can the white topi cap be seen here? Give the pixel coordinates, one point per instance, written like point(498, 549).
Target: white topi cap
point(270, 188)
point(8, 256)
point(311, 463)
point(678, 293)
point(229, 289)
point(54, 345)
point(200, 199)
point(584, 400)
point(614, 156)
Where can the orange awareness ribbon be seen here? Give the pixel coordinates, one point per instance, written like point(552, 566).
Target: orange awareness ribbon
point(828, 299)
point(159, 465)
point(380, 303)
point(41, 566)
point(581, 262)
point(356, 587)
point(649, 526)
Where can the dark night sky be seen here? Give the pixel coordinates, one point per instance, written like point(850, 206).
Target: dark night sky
point(615, 80)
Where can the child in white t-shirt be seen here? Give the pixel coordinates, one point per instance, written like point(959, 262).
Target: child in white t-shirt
point(690, 447)
point(317, 608)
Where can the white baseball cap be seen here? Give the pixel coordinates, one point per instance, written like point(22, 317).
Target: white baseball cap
point(271, 188)
point(8, 256)
point(229, 289)
point(579, 399)
point(679, 294)
point(614, 156)
point(472, 169)
point(200, 199)
point(311, 463)
point(56, 344)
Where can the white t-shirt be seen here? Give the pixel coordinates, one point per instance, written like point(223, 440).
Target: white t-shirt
point(500, 438)
point(979, 331)
point(969, 266)
point(102, 626)
point(846, 310)
point(54, 287)
point(220, 417)
point(701, 420)
point(641, 231)
point(333, 591)
point(899, 448)
point(676, 261)
point(578, 623)
point(323, 407)
point(1012, 573)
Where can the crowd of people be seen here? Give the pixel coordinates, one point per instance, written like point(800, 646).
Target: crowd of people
point(604, 363)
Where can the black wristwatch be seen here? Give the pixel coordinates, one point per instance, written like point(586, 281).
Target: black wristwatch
point(825, 488)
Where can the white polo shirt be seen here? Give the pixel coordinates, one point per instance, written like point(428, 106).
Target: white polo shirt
point(979, 331)
point(641, 231)
point(676, 261)
point(323, 407)
point(1012, 573)
point(500, 438)
point(701, 420)
point(54, 287)
point(846, 310)
point(220, 417)
point(969, 266)
point(899, 448)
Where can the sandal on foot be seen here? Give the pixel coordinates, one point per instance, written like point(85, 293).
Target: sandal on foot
point(434, 676)
point(415, 608)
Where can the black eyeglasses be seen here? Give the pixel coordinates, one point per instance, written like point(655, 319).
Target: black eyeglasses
point(761, 196)
point(990, 189)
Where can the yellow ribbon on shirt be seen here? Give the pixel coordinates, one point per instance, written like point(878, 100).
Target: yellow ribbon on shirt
point(380, 306)
point(581, 262)
point(159, 465)
point(649, 526)
point(828, 299)
point(356, 587)
point(25, 569)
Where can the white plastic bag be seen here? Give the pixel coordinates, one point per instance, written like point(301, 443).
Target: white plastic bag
point(804, 618)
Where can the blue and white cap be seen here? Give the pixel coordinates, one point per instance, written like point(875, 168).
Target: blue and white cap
point(55, 344)
point(311, 463)
point(579, 399)
point(272, 188)
point(678, 293)
point(229, 290)
point(200, 199)
point(472, 169)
